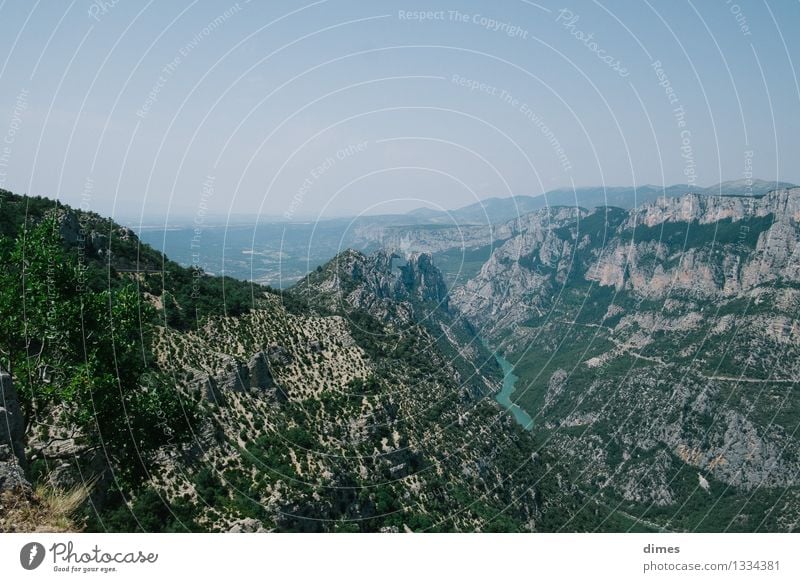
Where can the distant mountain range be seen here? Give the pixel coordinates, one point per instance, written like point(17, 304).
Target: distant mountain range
point(493, 210)
point(281, 253)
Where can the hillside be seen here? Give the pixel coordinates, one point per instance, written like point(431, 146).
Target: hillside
point(404, 291)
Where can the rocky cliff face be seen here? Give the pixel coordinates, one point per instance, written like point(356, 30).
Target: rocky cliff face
point(659, 348)
point(404, 290)
point(12, 429)
point(385, 284)
point(493, 220)
point(701, 246)
point(738, 244)
point(523, 273)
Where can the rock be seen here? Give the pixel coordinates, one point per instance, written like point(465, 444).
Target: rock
point(259, 372)
point(98, 241)
point(261, 379)
point(211, 391)
point(254, 377)
point(401, 289)
point(385, 283)
point(247, 525)
point(530, 266)
point(236, 379)
point(12, 433)
point(423, 279)
point(701, 293)
point(68, 226)
point(555, 386)
point(12, 476)
point(278, 355)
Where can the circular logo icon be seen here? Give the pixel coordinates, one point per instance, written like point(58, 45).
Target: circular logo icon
point(31, 555)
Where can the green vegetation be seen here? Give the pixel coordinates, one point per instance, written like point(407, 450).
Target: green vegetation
point(460, 265)
point(680, 235)
point(80, 357)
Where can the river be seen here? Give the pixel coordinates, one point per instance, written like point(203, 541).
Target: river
point(504, 396)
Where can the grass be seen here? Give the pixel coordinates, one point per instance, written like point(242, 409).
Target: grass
point(45, 509)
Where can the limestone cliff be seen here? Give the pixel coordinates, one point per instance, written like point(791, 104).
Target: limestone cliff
point(658, 344)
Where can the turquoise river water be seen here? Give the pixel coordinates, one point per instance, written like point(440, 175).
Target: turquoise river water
point(504, 396)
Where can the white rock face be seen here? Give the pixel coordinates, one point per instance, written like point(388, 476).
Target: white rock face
point(708, 209)
point(530, 268)
point(506, 290)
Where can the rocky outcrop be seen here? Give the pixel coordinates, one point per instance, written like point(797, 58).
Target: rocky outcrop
point(523, 273)
point(784, 204)
point(278, 355)
point(259, 373)
point(247, 525)
point(254, 377)
point(12, 430)
point(404, 290)
point(236, 379)
point(385, 284)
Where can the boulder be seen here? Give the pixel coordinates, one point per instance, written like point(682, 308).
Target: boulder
point(254, 377)
point(210, 390)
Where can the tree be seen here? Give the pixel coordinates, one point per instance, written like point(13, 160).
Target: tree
point(80, 357)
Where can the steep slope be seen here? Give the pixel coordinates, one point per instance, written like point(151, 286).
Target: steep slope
point(272, 413)
point(281, 253)
point(658, 351)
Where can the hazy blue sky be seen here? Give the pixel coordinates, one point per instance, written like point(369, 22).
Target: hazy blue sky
point(340, 107)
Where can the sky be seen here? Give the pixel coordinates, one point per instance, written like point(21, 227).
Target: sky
point(302, 110)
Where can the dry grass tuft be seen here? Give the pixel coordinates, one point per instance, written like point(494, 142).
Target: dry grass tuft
point(43, 510)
